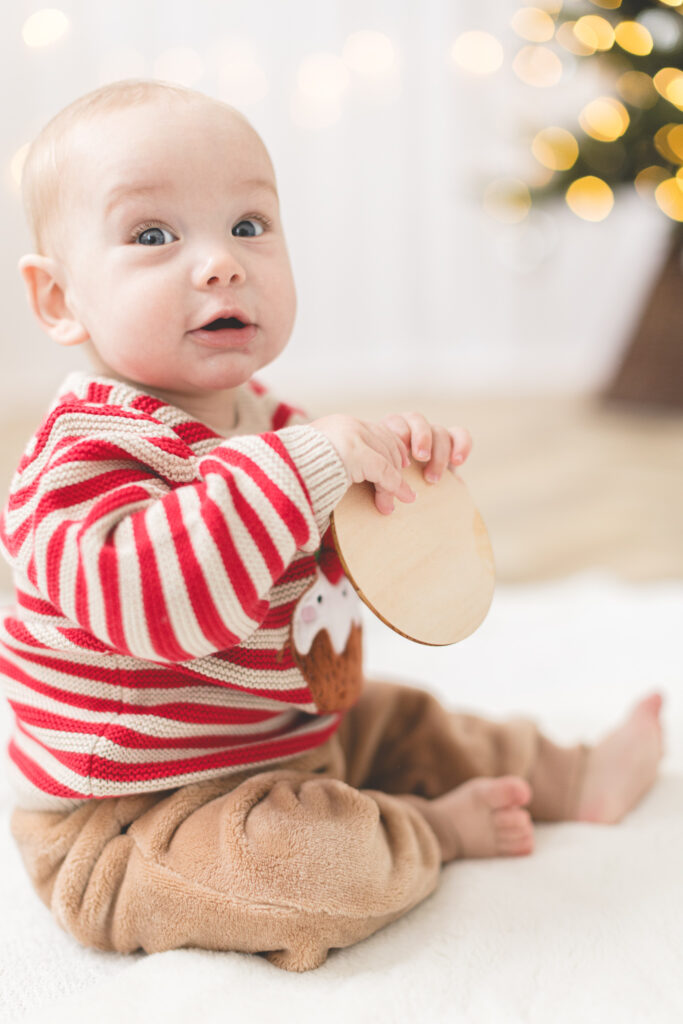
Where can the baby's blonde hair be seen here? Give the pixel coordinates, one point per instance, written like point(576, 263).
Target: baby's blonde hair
point(43, 172)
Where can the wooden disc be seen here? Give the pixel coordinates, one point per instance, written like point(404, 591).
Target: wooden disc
point(427, 569)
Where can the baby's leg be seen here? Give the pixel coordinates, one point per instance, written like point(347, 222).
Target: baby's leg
point(288, 863)
point(472, 778)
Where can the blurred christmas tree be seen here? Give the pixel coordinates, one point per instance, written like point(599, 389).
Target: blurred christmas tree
point(631, 135)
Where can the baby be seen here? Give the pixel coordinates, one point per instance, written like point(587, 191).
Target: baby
point(195, 762)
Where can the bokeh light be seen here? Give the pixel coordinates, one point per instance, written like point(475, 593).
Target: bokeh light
point(179, 64)
point(669, 198)
point(44, 27)
point(647, 180)
point(555, 148)
point(634, 38)
point(567, 39)
point(668, 142)
point(604, 119)
point(322, 76)
point(477, 52)
point(637, 88)
point(590, 198)
point(533, 24)
point(322, 82)
point(594, 31)
point(671, 3)
point(507, 200)
point(669, 84)
point(537, 66)
point(370, 54)
point(242, 80)
point(608, 5)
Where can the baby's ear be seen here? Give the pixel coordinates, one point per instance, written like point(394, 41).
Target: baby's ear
point(45, 292)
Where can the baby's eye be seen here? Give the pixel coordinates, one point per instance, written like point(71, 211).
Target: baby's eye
point(155, 236)
point(248, 228)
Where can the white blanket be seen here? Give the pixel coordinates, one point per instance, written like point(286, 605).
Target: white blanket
point(589, 928)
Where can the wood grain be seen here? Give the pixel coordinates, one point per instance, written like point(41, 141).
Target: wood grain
point(427, 568)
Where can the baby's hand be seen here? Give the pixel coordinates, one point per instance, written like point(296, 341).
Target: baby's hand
point(439, 447)
point(370, 451)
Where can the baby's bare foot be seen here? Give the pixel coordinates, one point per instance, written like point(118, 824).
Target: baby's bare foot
point(483, 818)
point(623, 766)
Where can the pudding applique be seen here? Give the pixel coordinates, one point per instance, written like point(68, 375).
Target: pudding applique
point(326, 638)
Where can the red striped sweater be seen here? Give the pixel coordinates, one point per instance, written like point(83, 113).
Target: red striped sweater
point(157, 569)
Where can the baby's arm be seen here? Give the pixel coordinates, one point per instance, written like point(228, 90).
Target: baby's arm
point(159, 553)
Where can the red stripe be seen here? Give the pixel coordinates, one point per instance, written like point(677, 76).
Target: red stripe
point(146, 403)
point(276, 444)
point(242, 584)
point(159, 625)
point(282, 415)
point(284, 506)
point(193, 432)
point(35, 604)
point(108, 568)
point(35, 774)
point(187, 712)
point(107, 770)
point(259, 534)
point(135, 738)
point(206, 613)
point(98, 392)
point(143, 678)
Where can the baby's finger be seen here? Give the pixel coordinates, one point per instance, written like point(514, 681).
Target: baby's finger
point(462, 445)
point(392, 444)
point(398, 426)
point(421, 436)
point(442, 444)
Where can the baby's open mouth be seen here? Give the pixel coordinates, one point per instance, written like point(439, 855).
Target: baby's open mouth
point(221, 323)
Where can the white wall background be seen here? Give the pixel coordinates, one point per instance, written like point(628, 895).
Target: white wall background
point(403, 280)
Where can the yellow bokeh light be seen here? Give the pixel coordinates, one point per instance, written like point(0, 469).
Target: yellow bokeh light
point(590, 198)
point(44, 27)
point(646, 181)
point(671, 3)
point(608, 5)
point(634, 38)
point(669, 142)
point(480, 53)
point(555, 148)
point(675, 141)
point(592, 30)
point(566, 38)
point(538, 66)
point(669, 198)
point(637, 88)
point(604, 119)
point(669, 84)
point(507, 200)
point(533, 24)
point(368, 53)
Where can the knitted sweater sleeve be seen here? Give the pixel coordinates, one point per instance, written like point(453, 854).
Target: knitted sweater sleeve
point(157, 552)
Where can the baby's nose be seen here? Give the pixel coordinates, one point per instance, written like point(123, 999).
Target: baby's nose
point(220, 266)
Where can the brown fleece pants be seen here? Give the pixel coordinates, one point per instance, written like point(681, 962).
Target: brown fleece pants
point(289, 862)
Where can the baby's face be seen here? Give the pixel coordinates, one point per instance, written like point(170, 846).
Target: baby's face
point(171, 222)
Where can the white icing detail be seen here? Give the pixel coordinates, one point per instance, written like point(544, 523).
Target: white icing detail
point(333, 607)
